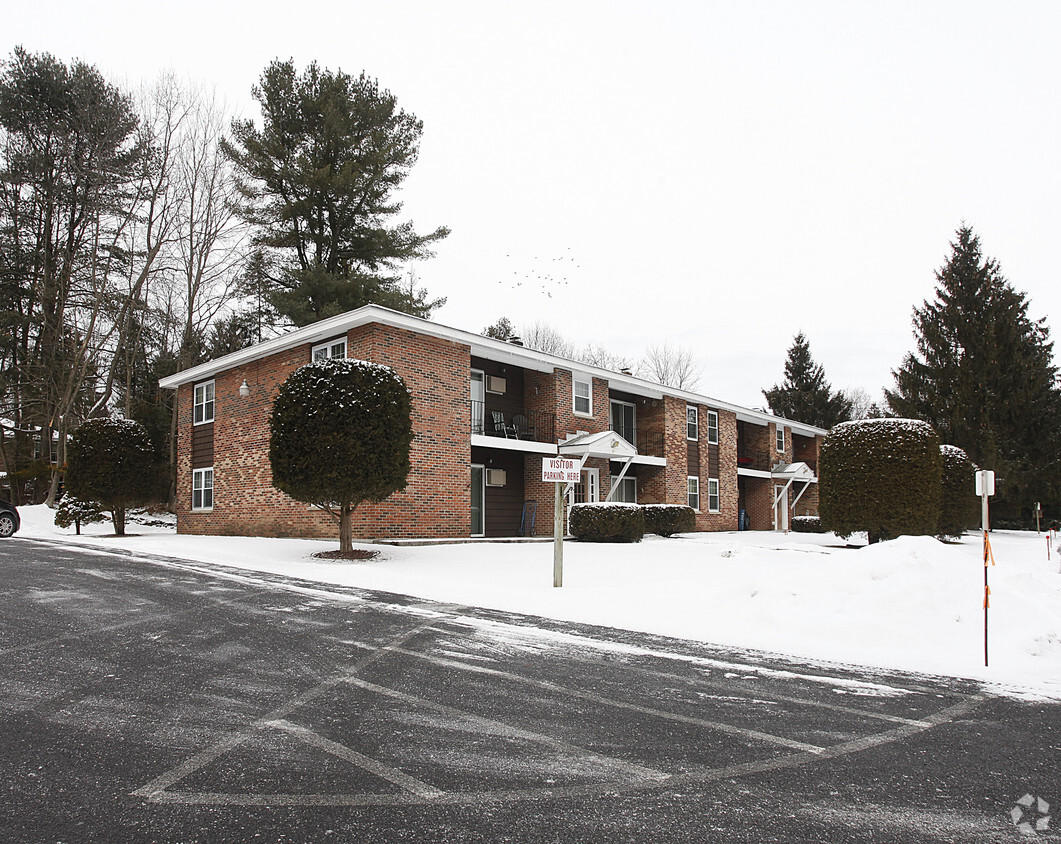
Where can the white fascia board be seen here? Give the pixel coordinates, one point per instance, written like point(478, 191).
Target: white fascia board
point(503, 444)
point(480, 346)
point(758, 417)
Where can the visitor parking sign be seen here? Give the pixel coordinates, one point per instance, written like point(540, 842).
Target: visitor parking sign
point(560, 470)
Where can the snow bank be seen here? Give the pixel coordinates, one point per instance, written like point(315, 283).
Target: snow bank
point(914, 603)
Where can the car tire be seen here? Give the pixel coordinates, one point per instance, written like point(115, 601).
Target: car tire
point(7, 525)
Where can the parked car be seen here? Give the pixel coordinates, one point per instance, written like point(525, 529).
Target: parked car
point(9, 520)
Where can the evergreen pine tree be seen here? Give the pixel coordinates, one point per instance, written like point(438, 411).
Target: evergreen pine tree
point(318, 180)
point(805, 395)
point(983, 377)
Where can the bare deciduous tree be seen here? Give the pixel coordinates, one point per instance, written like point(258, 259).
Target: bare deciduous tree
point(546, 338)
point(674, 366)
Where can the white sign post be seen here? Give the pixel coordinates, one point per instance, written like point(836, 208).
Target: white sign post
point(560, 471)
point(985, 488)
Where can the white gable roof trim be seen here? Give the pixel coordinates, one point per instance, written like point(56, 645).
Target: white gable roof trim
point(487, 347)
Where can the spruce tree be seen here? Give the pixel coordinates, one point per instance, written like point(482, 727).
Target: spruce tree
point(983, 377)
point(318, 181)
point(805, 395)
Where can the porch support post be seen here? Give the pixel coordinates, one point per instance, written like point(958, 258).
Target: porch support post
point(619, 480)
point(777, 500)
point(806, 486)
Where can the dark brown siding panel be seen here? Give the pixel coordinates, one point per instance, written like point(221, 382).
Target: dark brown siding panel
point(694, 457)
point(712, 461)
point(202, 445)
point(511, 401)
point(504, 504)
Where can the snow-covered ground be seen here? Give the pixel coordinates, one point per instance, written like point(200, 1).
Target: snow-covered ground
point(914, 603)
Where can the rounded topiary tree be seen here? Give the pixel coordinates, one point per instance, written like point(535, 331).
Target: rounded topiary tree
point(959, 507)
point(340, 435)
point(111, 461)
point(881, 476)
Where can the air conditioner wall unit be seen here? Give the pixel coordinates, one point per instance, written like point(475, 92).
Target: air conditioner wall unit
point(496, 384)
point(496, 477)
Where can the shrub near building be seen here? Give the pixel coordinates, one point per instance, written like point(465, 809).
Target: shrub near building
point(607, 522)
point(958, 505)
point(668, 519)
point(881, 476)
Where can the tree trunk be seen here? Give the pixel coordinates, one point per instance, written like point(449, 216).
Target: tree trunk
point(346, 540)
point(118, 517)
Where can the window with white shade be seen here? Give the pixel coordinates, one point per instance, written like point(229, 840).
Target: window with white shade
point(203, 489)
point(582, 391)
point(203, 404)
point(714, 504)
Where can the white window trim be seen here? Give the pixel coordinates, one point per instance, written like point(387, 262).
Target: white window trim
point(779, 438)
point(328, 349)
point(201, 473)
point(690, 480)
point(712, 483)
point(197, 404)
point(695, 422)
point(577, 379)
point(712, 415)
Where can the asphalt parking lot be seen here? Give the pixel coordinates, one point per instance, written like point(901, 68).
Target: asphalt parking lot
point(146, 700)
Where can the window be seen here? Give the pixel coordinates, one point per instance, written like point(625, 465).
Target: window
point(712, 427)
point(624, 417)
point(713, 504)
point(624, 490)
point(780, 438)
point(583, 395)
point(693, 485)
point(203, 489)
point(692, 422)
point(331, 349)
point(203, 410)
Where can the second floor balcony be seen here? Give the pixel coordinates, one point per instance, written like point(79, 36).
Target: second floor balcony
point(518, 424)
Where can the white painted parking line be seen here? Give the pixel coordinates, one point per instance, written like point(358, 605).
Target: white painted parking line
point(154, 789)
point(770, 695)
point(508, 731)
point(718, 726)
point(373, 766)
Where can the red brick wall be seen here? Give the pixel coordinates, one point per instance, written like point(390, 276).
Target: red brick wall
point(245, 501)
point(436, 500)
point(758, 500)
point(726, 518)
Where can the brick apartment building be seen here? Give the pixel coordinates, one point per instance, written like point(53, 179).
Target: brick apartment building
point(484, 414)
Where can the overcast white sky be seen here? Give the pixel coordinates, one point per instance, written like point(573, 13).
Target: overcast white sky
point(714, 175)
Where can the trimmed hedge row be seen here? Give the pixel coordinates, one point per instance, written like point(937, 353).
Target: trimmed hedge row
point(668, 519)
point(608, 522)
point(807, 524)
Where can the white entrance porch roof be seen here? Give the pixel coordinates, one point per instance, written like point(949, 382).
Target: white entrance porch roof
point(606, 444)
point(793, 472)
